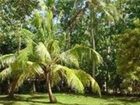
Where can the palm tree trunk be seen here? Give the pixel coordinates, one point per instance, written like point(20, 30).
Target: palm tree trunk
point(48, 83)
point(33, 87)
point(12, 88)
point(93, 62)
point(93, 32)
point(68, 40)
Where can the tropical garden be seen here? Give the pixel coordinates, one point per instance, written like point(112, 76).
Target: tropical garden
point(69, 52)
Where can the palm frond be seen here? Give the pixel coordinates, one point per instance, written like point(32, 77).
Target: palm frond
point(75, 78)
point(80, 51)
point(24, 54)
point(71, 79)
point(53, 48)
point(69, 58)
point(43, 53)
point(26, 34)
point(88, 81)
point(32, 69)
point(24, 76)
point(56, 78)
point(111, 12)
point(49, 24)
point(37, 21)
point(5, 73)
point(21, 58)
point(6, 60)
point(109, 9)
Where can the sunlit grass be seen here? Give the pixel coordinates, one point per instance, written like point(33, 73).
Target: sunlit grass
point(68, 99)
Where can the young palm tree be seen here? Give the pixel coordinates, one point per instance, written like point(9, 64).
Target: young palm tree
point(46, 58)
point(43, 56)
point(51, 59)
point(19, 67)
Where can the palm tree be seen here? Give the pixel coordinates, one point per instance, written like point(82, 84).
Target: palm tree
point(111, 14)
point(43, 56)
point(18, 67)
point(51, 59)
point(45, 59)
point(95, 7)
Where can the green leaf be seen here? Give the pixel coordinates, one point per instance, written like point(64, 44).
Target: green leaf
point(5, 73)
point(71, 79)
point(43, 53)
point(7, 59)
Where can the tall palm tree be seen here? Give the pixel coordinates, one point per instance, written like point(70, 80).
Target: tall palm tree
point(111, 15)
point(95, 7)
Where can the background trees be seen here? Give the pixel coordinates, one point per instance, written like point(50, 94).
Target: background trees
point(128, 57)
point(13, 15)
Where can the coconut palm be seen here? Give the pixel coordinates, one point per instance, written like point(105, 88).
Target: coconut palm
point(95, 7)
point(18, 67)
point(52, 59)
point(46, 59)
point(43, 56)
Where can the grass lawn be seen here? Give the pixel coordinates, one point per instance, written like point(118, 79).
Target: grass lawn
point(68, 99)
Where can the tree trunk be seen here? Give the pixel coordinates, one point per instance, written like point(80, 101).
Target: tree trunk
point(12, 88)
point(33, 87)
point(48, 83)
point(68, 40)
point(93, 27)
point(93, 62)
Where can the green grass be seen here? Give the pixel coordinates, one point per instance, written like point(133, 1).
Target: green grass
point(68, 99)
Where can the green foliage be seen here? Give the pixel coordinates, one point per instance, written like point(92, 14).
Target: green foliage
point(5, 73)
point(17, 9)
point(88, 81)
point(43, 53)
point(71, 79)
point(7, 59)
point(20, 65)
point(13, 16)
point(128, 54)
point(76, 79)
point(78, 53)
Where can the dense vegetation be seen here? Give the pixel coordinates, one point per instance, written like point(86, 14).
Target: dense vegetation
point(76, 46)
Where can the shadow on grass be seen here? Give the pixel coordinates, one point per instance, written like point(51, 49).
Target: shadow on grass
point(19, 99)
point(37, 97)
point(129, 99)
point(31, 100)
point(123, 100)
